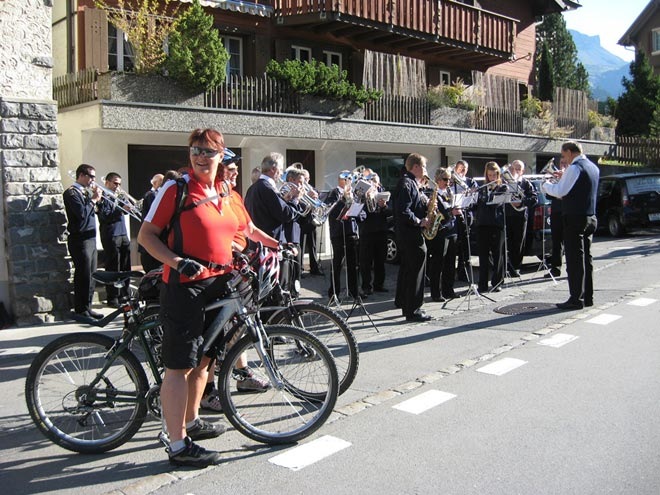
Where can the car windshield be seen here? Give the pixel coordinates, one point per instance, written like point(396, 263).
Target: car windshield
point(644, 184)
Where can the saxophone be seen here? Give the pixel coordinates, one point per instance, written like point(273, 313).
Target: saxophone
point(433, 215)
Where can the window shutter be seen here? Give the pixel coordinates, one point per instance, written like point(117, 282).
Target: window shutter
point(96, 39)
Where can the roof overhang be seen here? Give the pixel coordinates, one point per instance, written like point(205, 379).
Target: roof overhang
point(628, 37)
point(252, 8)
point(543, 7)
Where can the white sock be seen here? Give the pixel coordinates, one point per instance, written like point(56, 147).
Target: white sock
point(178, 446)
point(192, 423)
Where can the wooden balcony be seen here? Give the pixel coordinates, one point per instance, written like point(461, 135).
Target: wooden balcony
point(432, 28)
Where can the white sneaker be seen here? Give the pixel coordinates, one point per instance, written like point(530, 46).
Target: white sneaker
point(211, 402)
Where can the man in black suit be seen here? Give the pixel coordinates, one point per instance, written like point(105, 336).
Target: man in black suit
point(517, 214)
point(268, 209)
point(409, 220)
point(114, 238)
point(80, 202)
point(149, 262)
point(577, 188)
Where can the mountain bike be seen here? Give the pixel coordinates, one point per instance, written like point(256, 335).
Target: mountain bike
point(90, 393)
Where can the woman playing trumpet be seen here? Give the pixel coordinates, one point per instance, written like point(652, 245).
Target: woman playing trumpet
point(490, 228)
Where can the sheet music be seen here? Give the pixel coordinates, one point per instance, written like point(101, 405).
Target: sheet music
point(500, 199)
point(464, 200)
point(354, 210)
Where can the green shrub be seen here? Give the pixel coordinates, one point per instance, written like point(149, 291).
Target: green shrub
point(316, 78)
point(599, 120)
point(456, 95)
point(531, 107)
point(196, 57)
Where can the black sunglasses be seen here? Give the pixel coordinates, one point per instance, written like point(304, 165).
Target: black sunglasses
point(90, 175)
point(205, 152)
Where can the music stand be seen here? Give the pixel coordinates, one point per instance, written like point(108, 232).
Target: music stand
point(543, 266)
point(464, 202)
point(503, 198)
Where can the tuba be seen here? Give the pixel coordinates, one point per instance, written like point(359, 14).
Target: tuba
point(433, 215)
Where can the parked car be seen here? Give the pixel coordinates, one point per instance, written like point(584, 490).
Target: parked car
point(628, 201)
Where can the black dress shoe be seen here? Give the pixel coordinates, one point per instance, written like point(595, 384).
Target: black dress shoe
point(588, 303)
point(497, 288)
point(95, 315)
point(570, 305)
point(438, 299)
point(450, 295)
point(86, 316)
point(419, 316)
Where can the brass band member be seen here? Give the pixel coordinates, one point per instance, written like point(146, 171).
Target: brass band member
point(409, 220)
point(114, 238)
point(343, 236)
point(373, 239)
point(292, 234)
point(556, 231)
point(518, 215)
point(308, 234)
point(463, 185)
point(490, 228)
point(442, 248)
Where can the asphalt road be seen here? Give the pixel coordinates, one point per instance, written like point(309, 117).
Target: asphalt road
point(575, 419)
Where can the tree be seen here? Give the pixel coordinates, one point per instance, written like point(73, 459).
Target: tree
point(197, 56)
point(568, 72)
point(639, 100)
point(146, 26)
point(546, 80)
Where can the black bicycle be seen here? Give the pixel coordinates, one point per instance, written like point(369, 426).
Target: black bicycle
point(90, 393)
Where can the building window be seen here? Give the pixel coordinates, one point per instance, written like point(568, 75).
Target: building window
point(301, 53)
point(445, 78)
point(234, 47)
point(655, 40)
point(332, 58)
point(120, 52)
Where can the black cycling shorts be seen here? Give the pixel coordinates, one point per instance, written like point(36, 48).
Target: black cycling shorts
point(183, 319)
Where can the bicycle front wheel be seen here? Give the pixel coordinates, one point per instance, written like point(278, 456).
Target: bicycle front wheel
point(76, 406)
point(330, 329)
point(300, 400)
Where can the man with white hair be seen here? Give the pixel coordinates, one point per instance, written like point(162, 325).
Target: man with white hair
point(517, 215)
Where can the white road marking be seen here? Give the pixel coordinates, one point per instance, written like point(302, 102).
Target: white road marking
point(309, 453)
point(558, 340)
point(502, 366)
point(604, 319)
point(12, 351)
point(424, 402)
point(642, 301)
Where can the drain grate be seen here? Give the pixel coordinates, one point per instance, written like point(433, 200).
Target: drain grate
point(526, 307)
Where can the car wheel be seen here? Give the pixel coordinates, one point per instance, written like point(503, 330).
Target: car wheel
point(614, 226)
point(392, 255)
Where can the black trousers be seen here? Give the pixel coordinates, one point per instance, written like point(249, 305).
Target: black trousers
point(578, 234)
point(373, 251)
point(516, 229)
point(309, 246)
point(344, 248)
point(117, 251)
point(442, 252)
point(557, 232)
point(83, 255)
point(410, 282)
point(490, 243)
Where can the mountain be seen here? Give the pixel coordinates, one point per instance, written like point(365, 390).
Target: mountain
point(605, 69)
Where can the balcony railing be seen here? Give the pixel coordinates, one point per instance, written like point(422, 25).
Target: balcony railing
point(268, 95)
point(445, 20)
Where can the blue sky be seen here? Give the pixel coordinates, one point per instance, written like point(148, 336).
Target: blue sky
point(607, 18)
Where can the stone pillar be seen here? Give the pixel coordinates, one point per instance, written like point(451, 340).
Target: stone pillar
point(34, 271)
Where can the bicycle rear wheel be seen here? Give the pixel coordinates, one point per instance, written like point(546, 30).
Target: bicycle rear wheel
point(72, 414)
point(294, 407)
point(330, 329)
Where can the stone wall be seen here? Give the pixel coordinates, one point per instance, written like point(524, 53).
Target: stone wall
point(37, 268)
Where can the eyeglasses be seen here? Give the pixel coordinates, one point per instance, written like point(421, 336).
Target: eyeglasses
point(205, 152)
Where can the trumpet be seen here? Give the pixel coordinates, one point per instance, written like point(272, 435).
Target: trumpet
point(549, 170)
point(119, 198)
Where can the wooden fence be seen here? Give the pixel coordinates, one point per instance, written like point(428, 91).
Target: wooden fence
point(75, 88)
point(258, 94)
point(498, 119)
point(634, 149)
point(403, 109)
